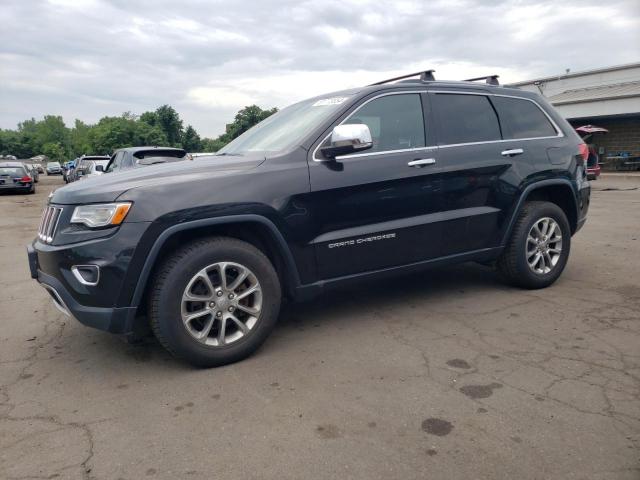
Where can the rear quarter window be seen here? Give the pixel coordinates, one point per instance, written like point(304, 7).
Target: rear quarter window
point(465, 119)
point(522, 119)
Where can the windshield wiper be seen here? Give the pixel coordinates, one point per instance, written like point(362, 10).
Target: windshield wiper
point(228, 154)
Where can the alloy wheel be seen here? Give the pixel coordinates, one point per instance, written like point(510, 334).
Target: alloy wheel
point(544, 245)
point(221, 304)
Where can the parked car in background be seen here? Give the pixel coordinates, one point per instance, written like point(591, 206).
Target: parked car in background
point(39, 167)
point(54, 168)
point(134, 157)
point(92, 168)
point(33, 171)
point(82, 163)
point(589, 133)
point(67, 170)
point(15, 176)
point(593, 164)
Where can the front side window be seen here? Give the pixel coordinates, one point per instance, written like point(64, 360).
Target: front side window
point(465, 119)
point(395, 121)
point(522, 118)
point(117, 160)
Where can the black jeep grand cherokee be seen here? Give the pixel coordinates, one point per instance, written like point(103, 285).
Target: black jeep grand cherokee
point(371, 181)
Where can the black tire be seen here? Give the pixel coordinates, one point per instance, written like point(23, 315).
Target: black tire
point(512, 264)
point(170, 281)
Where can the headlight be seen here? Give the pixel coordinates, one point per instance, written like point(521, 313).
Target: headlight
point(101, 215)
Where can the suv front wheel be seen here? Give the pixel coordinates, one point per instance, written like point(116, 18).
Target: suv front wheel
point(214, 301)
point(538, 249)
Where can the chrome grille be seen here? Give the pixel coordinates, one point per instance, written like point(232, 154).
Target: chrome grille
point(48, 224)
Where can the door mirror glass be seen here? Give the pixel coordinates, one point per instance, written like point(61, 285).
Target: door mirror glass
point(347, 139)
point(99, 168)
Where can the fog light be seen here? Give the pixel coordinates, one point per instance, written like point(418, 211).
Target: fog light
point(86, 274)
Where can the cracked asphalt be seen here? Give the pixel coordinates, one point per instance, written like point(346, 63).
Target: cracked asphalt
point(447, 374)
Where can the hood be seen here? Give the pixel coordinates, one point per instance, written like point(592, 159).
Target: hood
point(108, 187)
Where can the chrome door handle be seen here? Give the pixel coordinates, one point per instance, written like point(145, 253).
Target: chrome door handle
point(513, 152)
point(421, 162)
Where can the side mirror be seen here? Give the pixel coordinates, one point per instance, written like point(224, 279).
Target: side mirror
point(99, 168)
point(347, 139)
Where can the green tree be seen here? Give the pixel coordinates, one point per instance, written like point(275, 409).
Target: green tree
point(245, 119)
point(191, 141)
point(111, 133)
point(150, 118)
point(79, 137)
point(52, 130)
point(50, 136)
point(169, 121)
point(55, 152)
point(213, 144)
point(146, 134)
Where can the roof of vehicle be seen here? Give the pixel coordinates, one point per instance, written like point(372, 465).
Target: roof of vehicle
point(448, 84)
point(148, 148)
point(94, 157)
point(11, 164)
point(489, 84)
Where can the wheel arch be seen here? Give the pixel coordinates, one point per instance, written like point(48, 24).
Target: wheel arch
point(557, 191)
point(254, 229)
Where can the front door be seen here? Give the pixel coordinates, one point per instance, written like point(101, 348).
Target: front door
point(378, 208)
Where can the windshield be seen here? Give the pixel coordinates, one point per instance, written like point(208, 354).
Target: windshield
point(286, 128)
point(54, 164)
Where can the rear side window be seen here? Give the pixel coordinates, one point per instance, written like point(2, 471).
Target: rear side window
point(395, 121)
point(465, 119)
point(522, 119)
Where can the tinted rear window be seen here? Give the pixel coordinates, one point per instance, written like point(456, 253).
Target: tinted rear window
point(465, 119)
point(160, 153)
point(13, 171)
point(522, 118)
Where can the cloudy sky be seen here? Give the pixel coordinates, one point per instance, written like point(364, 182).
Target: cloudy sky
point(89, 58)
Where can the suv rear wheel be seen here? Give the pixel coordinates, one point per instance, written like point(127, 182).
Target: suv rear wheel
point(214, 301)
point(539, 246)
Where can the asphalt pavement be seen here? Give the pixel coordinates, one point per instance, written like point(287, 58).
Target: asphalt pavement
point(446, 374)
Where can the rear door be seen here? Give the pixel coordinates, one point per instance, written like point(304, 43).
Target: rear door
point(528, 132)
point(477, 180)
point(373, 209)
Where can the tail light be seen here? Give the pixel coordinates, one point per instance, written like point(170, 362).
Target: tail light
point(26, 179)
point(583, 151)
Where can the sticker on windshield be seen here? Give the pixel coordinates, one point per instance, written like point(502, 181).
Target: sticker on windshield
point(329, 101)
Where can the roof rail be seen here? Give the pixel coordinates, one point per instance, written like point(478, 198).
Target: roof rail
point(425, 76)
point(489, 79)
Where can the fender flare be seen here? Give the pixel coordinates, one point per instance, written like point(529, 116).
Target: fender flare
point(525, 193)
point(290, 265)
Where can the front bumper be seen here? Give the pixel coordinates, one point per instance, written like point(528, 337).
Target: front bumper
point(115, 320)
point(104, 305)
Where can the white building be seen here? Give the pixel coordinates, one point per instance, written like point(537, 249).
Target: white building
point(605, 97)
